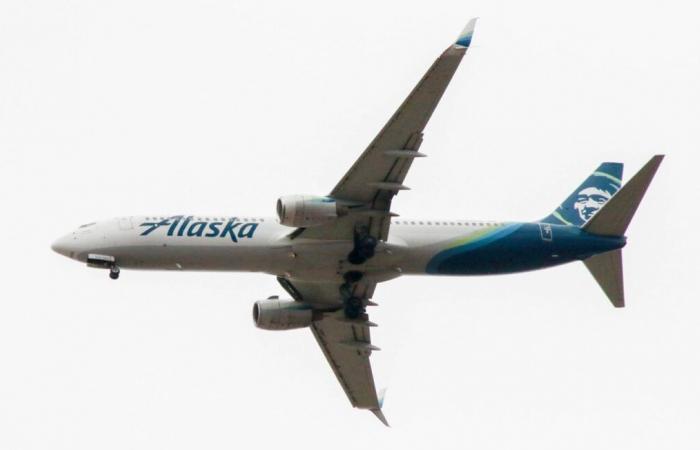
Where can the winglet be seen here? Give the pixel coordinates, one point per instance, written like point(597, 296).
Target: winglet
point(380, 397)
point(378, 412)
point(465, 37)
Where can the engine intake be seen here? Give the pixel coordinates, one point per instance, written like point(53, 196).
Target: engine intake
point(276, 314)
point(306, 210)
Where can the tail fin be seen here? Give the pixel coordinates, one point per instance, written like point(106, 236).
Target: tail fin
point(589, 197)
point(612, 220)
point(615, 216)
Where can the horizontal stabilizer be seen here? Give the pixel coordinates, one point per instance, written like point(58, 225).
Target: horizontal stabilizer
point(615, 216)
point(606, 268)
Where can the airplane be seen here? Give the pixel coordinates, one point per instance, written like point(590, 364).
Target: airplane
point(329, 252)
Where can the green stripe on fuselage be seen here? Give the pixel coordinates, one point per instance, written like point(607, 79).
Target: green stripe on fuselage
point(475, 236)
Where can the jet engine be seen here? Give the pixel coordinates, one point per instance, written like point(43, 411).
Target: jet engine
point(306, 210)
point(276, 314)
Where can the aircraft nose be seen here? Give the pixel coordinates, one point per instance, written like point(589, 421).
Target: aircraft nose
point(64, 246)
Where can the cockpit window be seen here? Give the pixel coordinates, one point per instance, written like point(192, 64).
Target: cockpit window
point(87, 225)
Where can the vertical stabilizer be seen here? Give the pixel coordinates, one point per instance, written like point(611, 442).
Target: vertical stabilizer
point(606, 268)
point(615, 216)
point(589, 197)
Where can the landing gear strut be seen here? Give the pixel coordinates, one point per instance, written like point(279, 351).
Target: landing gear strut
point(364, 246)
point(114, 272)
point(353, 306)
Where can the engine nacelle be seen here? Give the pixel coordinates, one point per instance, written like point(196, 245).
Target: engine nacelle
point(276, 314)
point(306, 210)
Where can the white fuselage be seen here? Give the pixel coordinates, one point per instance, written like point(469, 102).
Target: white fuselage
point(217, 243)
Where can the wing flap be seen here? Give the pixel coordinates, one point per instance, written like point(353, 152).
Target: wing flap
point(347, 347)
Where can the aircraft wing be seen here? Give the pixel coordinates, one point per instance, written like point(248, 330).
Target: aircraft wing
point(346, 343)
point(378, 175)
point(347, 346)
point(367, 190)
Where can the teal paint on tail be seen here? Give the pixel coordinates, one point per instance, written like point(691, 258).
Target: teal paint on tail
point(589, 197)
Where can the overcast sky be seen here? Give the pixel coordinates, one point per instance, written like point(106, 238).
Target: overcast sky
point(219, 107)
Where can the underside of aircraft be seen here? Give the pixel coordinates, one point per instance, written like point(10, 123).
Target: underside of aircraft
point(329, 252)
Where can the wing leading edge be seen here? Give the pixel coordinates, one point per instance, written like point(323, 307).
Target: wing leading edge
point(378, 174)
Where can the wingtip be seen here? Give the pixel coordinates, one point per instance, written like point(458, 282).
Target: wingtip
point(380, 416)
point(465, 37)
point(380, 397)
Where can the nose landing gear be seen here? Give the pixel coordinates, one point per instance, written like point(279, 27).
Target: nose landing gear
point(114, 272)
point(104, 262)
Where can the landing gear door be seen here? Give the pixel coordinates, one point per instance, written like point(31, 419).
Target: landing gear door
point(125, 223)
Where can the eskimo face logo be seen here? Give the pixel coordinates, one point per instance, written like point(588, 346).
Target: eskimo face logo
point(589, 201)
point(184, 226)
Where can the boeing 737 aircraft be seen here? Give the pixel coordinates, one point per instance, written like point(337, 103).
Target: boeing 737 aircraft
point(329, 252)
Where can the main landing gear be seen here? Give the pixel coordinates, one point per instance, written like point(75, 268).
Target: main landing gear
point(364, 246)
point(363, 249)
point(353, 306)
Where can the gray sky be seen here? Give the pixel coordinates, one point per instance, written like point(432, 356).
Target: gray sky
point(130, 107)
